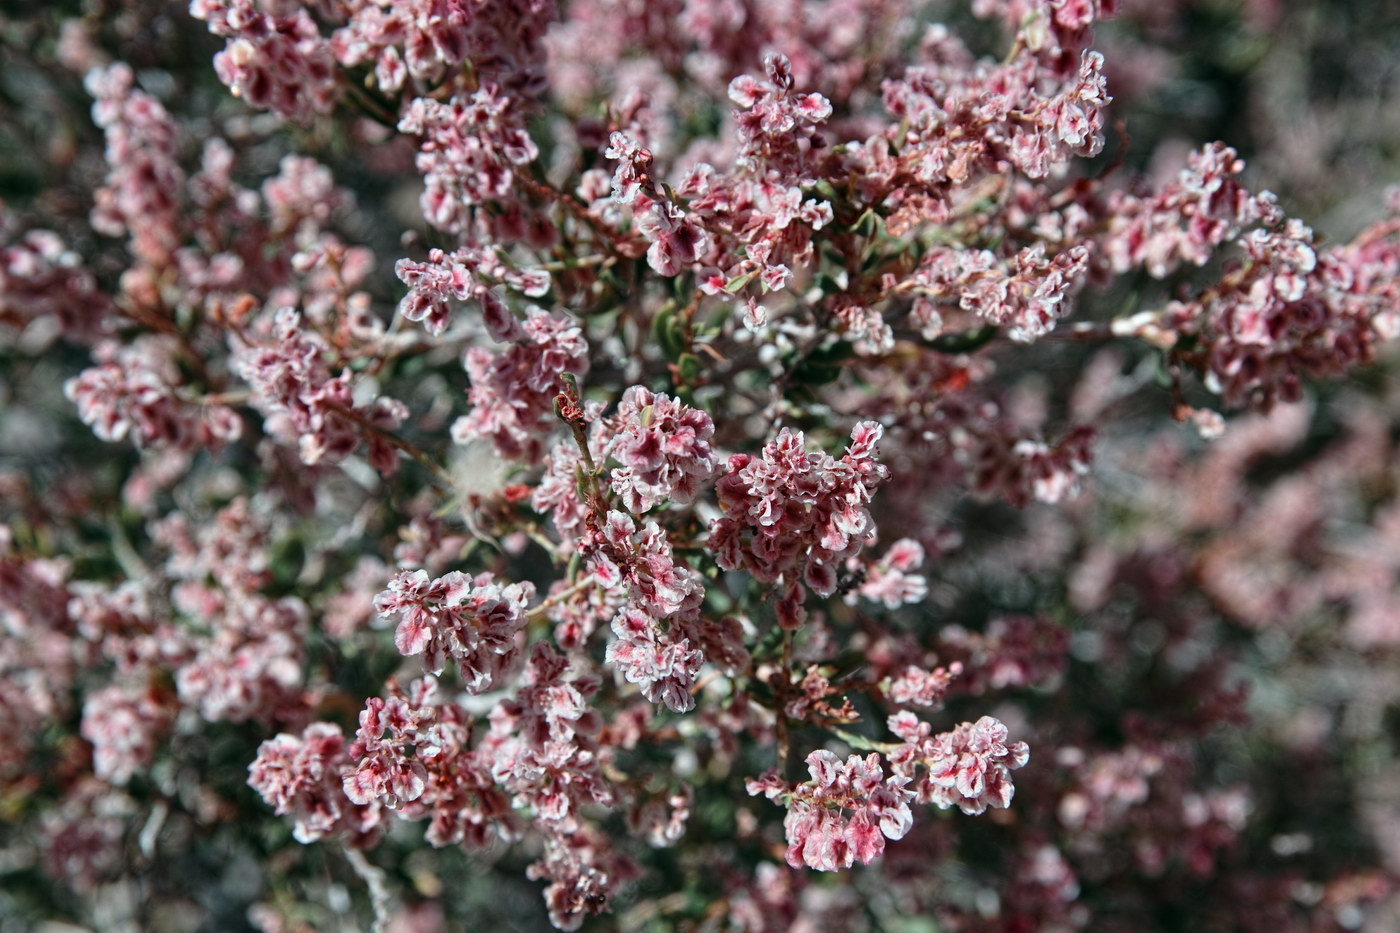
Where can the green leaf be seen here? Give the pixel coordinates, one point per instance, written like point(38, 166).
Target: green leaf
point(738, 282)
point(965, 342)
point(668, 332)
point(811, 374)
point(690, 368)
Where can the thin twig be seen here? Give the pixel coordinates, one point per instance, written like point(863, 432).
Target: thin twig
point(398, 443)
point(379, 897)
point(539, 611)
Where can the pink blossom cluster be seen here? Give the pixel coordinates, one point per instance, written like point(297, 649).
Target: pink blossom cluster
point(384, 768)
point(664, 667)
point(544, 746)
point(467, 274)
point(44, 282)
point(762, 219)
point(124, 728)
point(470, 149)
point(1049, 27)
point(711, 273)
point(276, 57)
point(1187, 220)
point(916, 686)
point(300, 776)
point(793, 514)
point(1013, 651)
point(843, 814)
point(251, 667)
point(776, 126)
point(963, 124)
point(656, 642)
point(1027, 294)
point(421, 43)
point(645, 566)
point(144, 179)
point(134, 391)
point(664, 448)
point(292, 384)
point(677, 241)
point(1291, 313)
point(413, 755)
point(123, 628)
point(583, 873)
point(512, 391)
point(558, 492)
point(472, 620)
point(891, 580)
point(37, 666)
point(969, 767)
point(1066, 125)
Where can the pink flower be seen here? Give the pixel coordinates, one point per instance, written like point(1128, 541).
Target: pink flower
point(630, 178)
point(843, 814)
point(473, 621)
point(663, 666)
point(512, 391)
point(301, 776)
point(891, 580)
point(144, 181)
point(251, 667)
point(644, 566)
point(677, 241)
point(470, 146)
point(293, 385)
point(134, 392)
point(467, 274)
point(776, 125)
point(275, 59)
point(1187, 220)
point(795, 514)
point(123, 727)
point(664, 448)
point(42, 279)
point(970, 766)
point(916, 686)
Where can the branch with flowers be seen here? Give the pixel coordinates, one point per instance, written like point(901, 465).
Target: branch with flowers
point(738, 449)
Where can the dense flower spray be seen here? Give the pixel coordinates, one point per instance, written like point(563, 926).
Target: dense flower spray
point(661, 451)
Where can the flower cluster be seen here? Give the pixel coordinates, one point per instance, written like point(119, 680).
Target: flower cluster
point(843, 814)
point(276, 58)
point(663, 667)
point(134, 392)
point(512, 391)
point(144, 177)
point(295, 389)
point(794, 514)
point(301, 776)
point(467, 274)
point(472, 415)
point(473, 621)
point(1187, 220)
point(470, 146)
point(891, 580)
point(41, 280)
point(1027, 294)
point(664, 448)
point(969, 767)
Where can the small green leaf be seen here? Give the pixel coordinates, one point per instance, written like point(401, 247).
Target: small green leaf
point(690, 368)
point(667, 331)
point(737, 283)
point(965, 342)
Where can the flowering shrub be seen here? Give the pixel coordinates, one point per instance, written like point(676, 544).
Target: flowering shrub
point(712, 466)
